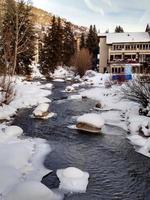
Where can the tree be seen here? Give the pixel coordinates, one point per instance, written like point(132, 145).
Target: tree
point(119, 29)
point(82, 41)
point(51, 52)
point(68, 43)
point(147, 28)
point(82, 61)
point(92, 43)
point(18, 37)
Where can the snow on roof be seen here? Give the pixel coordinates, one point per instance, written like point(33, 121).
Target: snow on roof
point(126, 37)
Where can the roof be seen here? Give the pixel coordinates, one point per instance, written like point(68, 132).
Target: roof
point(126, 37)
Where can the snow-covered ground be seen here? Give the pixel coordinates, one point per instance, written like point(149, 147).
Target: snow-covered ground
point(114, 109)
point(21, 160)
point(22, 171)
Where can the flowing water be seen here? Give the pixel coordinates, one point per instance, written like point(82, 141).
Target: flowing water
point(116, 171)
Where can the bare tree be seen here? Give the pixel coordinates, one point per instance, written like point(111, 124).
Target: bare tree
point(15, 38)
point(82, 61)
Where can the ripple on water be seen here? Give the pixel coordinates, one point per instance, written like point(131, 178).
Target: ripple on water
point(116, 170)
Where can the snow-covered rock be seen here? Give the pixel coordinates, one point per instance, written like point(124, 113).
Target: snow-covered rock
point(70, 89)
point(41, 110)
point(32, 191)
point(90, 122)
point(62, 73)
point(73, 180)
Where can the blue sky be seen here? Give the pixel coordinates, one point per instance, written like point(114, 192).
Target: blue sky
point(133, 15)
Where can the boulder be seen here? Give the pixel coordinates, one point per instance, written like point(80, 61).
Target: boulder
point(73, 180)
point(88, 128)
point(90, 122)
point(84, 97)
point(70, 89)
point(98, 105)
point(41, 110)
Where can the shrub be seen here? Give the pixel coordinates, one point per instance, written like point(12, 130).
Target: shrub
point(138, 91)
point(82, 61)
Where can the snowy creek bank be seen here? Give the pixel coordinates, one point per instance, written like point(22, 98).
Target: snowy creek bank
point(116, 170)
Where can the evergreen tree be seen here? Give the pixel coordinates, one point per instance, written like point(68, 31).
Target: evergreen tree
point(82, 41)
point(92, 43)
point(147, 28)
point(51, 52)
point(59, 41)
point(68, 44)
point(119, 29)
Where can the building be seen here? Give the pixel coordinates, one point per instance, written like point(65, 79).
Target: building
point(119, 49)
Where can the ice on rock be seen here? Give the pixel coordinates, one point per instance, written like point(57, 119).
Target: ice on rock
point(73, 180)
point(32, 191)
point(41, 110)
point(92, 119)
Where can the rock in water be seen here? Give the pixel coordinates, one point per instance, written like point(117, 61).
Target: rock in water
point(90, 122)
point(73, 180)
point(41, 111)
point(87, 128)
point(98, 105)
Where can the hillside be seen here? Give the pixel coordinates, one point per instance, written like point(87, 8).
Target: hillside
point(42, 18)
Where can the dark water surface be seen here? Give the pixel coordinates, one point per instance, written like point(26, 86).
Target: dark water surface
point(116, 171)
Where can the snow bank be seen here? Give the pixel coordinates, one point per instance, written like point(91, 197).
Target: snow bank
point(10, 132)
point(96, 79)
point(35, 71)
point(63, 73)
point(27, 94)
point(32, 191)
point(20, 160)
point(73, 180)
point(92, 119)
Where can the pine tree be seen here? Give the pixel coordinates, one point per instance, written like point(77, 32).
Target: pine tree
point(82, 41)
point(68, 44)
point(92, 43)
point(119, 29)
point(50, 53)
point(59, 41)
point(147, 28)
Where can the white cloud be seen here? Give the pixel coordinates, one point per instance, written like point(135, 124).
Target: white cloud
point(93, 7)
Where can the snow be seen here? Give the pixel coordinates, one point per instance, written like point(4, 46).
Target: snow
point(77, 97)
point(20, 159)
point(127, 37)
point(10, 132)
point(115, 110)
point(40, 109)
point(73, 180)
point(62, 73)
point(35, 71)
point(32, 190)
point(27, 94)
point(95, 79)
point(92, 119)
